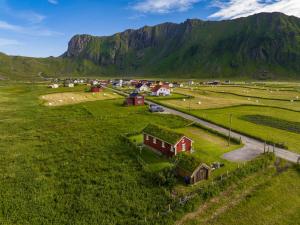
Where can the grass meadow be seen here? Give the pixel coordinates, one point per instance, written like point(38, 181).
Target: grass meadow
point(68, 165)
point(267, 198)
point(217, 106)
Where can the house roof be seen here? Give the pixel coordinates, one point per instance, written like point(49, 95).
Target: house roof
point(163, 133)
point(134, 94)
point(139, 85)
point(188, 162)
point(157, 87)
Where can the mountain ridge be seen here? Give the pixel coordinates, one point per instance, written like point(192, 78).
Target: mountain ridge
point(268, 41)
point(261, 46)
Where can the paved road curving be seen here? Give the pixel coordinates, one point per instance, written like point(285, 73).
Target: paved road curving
point(251, 149)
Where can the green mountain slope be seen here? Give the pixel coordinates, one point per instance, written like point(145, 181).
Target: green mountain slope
point(26, 68)
point(265, 45)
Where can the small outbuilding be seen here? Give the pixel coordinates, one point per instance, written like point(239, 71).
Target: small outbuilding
point(134, 99)
point(141, 87)
point(96, 89)
point(166, 141)
point(53, 86)
point(191, 169)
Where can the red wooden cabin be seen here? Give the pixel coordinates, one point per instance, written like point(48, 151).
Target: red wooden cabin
point(95, 89)
point(134, 99)
point(166, 141)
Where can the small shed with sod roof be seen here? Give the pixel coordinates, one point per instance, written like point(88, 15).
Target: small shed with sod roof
point(166, 141)
point(191, 168)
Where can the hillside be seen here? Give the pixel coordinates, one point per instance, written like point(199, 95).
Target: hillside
point(263, 46)
point(26, 68)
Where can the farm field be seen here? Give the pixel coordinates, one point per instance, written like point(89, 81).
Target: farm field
point(283, 116)
point(270, 93)
point(210, 100)
point(265, 199)
point(68, 98)
point(68, 165)
point(208, 148)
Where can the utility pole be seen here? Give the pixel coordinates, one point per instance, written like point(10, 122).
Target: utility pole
point(230, 123)
point(190, 97)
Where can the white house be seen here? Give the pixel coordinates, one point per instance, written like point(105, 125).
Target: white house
point(53, 86)
point(141, 88)
point(118, 83)
point(160, 90)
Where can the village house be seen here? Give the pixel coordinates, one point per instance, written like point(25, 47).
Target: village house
point(118, 84)
point(166, 141)
point(159, 90)
point(94, 82)
point(134, 99)
point(141, 87)
point(53, 86)
point(96, 88)
point(176, 84)
point(191, 168)
point(69, 83)
point(191, 82)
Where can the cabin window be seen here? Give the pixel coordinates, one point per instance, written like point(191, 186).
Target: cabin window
point(163, 144)
point(154, 140)
point(183, 147)
point(147, 137)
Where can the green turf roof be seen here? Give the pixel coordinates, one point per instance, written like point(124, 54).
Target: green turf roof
point(187, 161)
point(163, 133)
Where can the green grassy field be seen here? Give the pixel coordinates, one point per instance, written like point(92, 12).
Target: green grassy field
point(67, 165)
point(216, 106)
point(262, 131)
point(208, 148)
point(264, 199)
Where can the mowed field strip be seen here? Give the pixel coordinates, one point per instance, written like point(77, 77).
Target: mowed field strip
point(68, 98)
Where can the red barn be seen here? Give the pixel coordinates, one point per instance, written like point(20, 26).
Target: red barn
point(96, 89)
point(166, 141)
point(134, 99)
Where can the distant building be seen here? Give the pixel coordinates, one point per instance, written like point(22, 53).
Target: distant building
point(118, 84)
point(215, 82)
point(53, 86)
point(141, 88)
point(134, 99)
point(166, 141)
point(191, 82)
point(96, 89)
point(159, 90)
point(68, 83)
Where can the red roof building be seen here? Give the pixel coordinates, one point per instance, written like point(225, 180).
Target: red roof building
point(166, 141)
point(159, 90)
point(134, 99)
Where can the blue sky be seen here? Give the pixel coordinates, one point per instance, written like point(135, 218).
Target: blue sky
point(42, 28)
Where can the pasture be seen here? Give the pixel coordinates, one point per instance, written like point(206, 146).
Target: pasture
point(69, 98)
point(68, 164)
point(208, 148)
point(217, 103)
point(264, 199)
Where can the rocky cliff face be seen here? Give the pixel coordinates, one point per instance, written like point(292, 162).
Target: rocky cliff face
point(268, 42)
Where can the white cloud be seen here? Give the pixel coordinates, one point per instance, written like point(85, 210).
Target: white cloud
point(6, 26)
point(163, 6)
point(240, 8)
point(31, 30)
point(54, 2)
point(8, 42)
